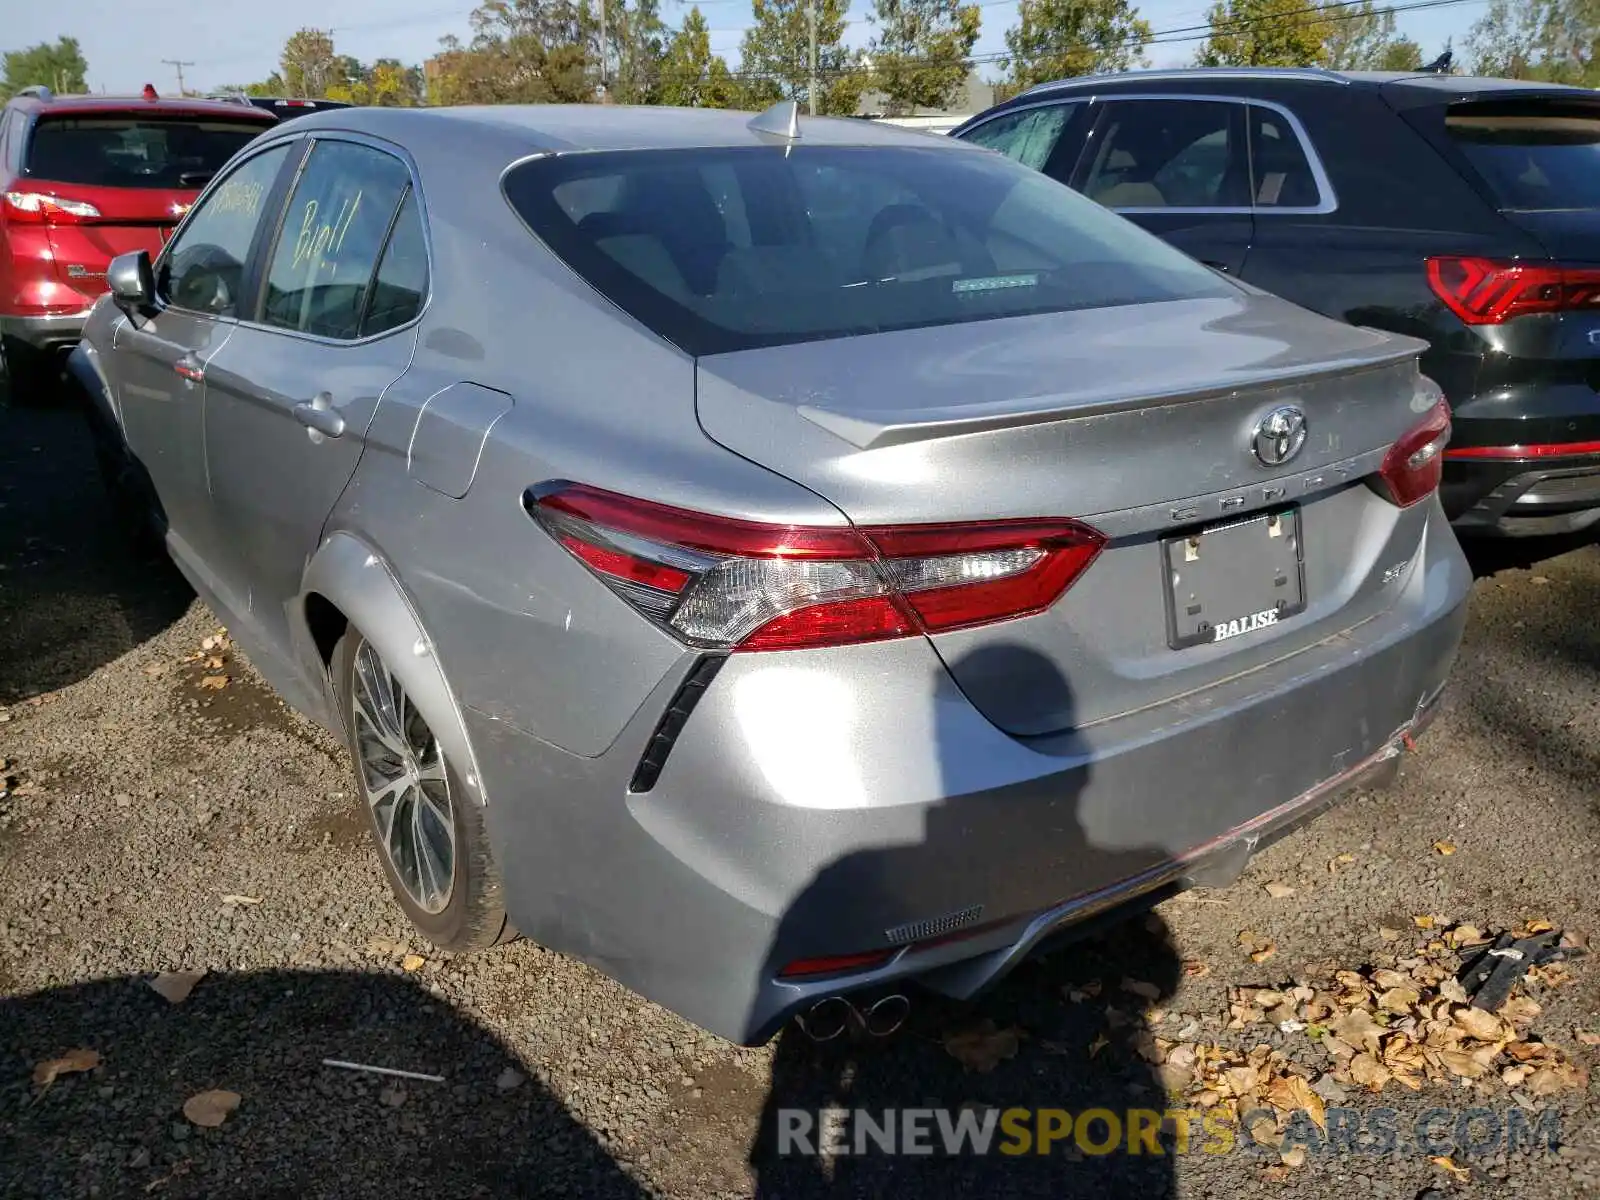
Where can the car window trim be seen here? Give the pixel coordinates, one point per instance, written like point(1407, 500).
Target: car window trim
point(413, 188)
point(1327, 198)
point(274, 196)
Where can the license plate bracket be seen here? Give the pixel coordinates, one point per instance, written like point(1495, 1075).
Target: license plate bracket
point(1233, 579)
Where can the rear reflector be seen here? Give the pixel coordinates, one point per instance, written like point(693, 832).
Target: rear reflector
point(1412, 467)
point(1483, 291)
point(37, 208)
point(724, 583)
point(1533, 450)
point(836, 964)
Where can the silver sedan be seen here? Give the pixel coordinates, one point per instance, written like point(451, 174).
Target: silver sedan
point(785, 563)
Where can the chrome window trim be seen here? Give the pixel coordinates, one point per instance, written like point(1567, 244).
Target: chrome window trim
point(312, 137)
point(1300, 74)
point(1327, 199)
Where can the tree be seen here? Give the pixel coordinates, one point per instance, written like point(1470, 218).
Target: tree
point(1057, 39)
point(691, 76)
point(1553, 40)
point(774, 55)
point(1265, 33)
point(921, 51)
point(59, 66)
point(522, 52)
point(1361, 37)
point(308, 65)
point(636, 41)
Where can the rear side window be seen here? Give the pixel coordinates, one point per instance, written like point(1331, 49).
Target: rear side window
point(1029, 136)
point(134, 152)
point(1171, 154)
point(1532, 154)
point(1282, 173)
point(333, 232)
point(729, 249)
point(402, 280)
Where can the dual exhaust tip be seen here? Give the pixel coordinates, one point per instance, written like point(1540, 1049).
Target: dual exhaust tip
point(834, 1016)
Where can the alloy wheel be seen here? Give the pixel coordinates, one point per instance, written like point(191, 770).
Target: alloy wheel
point(402, 771)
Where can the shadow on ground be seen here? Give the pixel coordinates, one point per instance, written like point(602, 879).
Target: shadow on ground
point(301, 1129)
point(74, 594)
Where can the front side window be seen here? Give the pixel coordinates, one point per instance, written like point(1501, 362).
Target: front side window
point(333, 232)
point(1170, 154)
point(135, 152)
point(203, 267)
point(728, 249)
point(1029, 136)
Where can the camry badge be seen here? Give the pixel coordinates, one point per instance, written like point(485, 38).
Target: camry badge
point(1279, 436)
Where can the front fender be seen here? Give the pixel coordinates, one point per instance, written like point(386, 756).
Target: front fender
point(354, 578)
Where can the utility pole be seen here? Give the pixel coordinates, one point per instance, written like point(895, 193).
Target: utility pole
point(178, 64)
point(811, 90)
point(605, 54)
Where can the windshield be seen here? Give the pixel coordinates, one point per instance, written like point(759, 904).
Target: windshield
point(1533, 154)
point(143, 152)
point(729, 249)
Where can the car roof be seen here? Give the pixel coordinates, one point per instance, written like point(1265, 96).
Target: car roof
point(575, 127)
point(1406, 88)
point(86, 104)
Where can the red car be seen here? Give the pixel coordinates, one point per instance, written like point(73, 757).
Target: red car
point(83, 179)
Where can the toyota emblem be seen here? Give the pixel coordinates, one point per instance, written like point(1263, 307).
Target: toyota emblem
point(1279, 436)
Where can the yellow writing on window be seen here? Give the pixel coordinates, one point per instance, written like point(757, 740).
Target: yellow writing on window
point(319, 242)
point(238, 196)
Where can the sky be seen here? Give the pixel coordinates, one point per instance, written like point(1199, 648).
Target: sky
point(237, 41)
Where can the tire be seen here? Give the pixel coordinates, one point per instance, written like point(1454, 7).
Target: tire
point(468, 914)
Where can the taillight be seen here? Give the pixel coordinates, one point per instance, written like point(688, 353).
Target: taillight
point(40, 209)
point(1483, 291)
point(724, 583)
point(1411, 470)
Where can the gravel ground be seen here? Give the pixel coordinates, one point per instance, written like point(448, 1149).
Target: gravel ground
point(141, 807)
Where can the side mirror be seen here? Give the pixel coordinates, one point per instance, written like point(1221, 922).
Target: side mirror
point(131, 280)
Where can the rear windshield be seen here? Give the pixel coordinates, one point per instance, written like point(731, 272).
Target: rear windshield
point(1538, 154)
point(729, 249)
point(133, 152)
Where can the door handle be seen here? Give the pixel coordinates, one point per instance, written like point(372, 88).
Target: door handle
point(189, 367)
point(319, 417)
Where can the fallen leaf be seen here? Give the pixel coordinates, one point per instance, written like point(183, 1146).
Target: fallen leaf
point(1193, 968)
point(1513, 1076)
point(73, 1061)
point(1264, 1132)
point(1263, 952)
point(1274, 1174)
point(982, 1047)
point(175, 986)
point(1521, 1011)
point(1459, 1062)
point(214, 663)
point(1388, 934)
point(1366, 1070)
point(1399, 999)
point(1445, 1163)
point(1295, 1156)
point(214, 682)
point(1339, 860)
point(1100, 1043)
point(412, 962)
point(1423, 922)
point(1444, 849)
point(1547, 1081)
point(210, 1109)
point(232, 898)
point(1537, 927)
point(1484, 1026)
point(1452, 991)
point(1279, 891)
point(1587, 1038)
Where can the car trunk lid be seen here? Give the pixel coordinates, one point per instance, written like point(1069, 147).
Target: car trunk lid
point(1139, 421)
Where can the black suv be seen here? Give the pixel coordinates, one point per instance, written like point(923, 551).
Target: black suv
point(1462, 211)
point(285, 108)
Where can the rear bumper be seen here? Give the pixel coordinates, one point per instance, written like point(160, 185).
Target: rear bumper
point(57, 331)
point(835, 802)
point(1519, 497)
